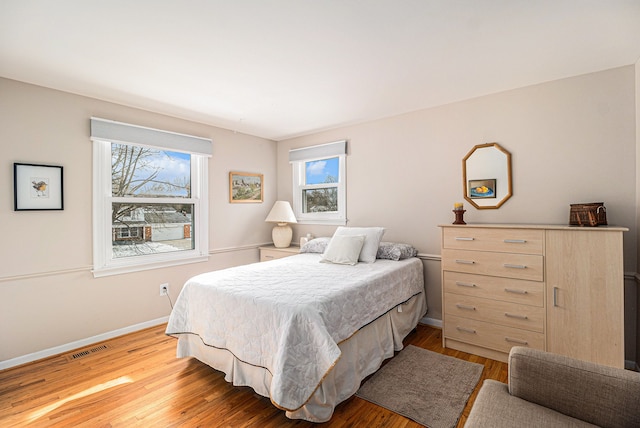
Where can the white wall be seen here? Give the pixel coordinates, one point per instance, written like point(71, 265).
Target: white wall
point(571, 140)
point(637, 282)
point(48, 296)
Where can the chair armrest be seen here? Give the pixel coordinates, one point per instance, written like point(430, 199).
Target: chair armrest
point(597, 394)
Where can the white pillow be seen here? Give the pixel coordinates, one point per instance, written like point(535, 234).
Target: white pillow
point(373, 235)
point(343, 250)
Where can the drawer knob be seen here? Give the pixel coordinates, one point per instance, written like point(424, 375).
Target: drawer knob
point(515, 241)
point(465, 284)
point(466, 330)
point(518, 341)
point(518, 316)
point(515, 291)
point(465, 307)
point(509, 265)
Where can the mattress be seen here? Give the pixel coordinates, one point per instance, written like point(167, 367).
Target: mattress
point(289, 317)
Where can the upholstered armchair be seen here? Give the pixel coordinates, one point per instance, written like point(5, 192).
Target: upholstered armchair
point(549, 390)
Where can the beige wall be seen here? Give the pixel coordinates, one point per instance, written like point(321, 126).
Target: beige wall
point(48, 296)
point(571, 140)
point(637, 282)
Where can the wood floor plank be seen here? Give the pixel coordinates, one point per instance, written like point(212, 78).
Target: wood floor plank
point(138, 381)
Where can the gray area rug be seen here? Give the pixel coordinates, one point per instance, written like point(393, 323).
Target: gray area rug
point(429, 388)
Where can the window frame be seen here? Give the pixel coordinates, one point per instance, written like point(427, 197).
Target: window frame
point(299, 186)
point(104, 264)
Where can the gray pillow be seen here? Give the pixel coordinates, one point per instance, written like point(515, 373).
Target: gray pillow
point(395, 251)
point(316, 245)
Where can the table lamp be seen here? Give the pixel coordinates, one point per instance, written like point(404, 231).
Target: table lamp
point(282, 214)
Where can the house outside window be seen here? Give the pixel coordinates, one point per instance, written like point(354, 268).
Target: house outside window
point(150, 195)
point(319, 183)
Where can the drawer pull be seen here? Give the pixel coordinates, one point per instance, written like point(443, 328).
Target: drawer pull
point(461, 238)
point(518, 316)
point(555, 296)
point(515, 241)
point(516, 291)
point(508, 265)
point(465, 284)
point(465, 262)
point(466, 307)
point(466, 330)
point(518, 341)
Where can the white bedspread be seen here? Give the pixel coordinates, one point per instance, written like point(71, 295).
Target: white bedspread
point(289, 315)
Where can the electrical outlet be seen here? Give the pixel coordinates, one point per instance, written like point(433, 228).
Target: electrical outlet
point(164, 289)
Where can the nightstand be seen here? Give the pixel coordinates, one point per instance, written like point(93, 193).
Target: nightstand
point(270, 252)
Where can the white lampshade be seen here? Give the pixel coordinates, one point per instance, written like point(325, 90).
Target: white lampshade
point(282, 214)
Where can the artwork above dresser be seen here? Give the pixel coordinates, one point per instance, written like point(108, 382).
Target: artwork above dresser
point(555, 288)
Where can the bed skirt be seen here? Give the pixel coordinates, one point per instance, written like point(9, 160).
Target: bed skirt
point(361, 355)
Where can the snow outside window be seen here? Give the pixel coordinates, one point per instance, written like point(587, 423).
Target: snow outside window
point(150, 202)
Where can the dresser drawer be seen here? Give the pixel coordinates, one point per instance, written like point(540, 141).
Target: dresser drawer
point(505, 240)
point(492, 336)
point(505, 289)
point(494, 311)
point(267, 254)
point(519, 266)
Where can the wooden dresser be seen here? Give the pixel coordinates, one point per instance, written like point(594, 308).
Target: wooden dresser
point(555, 288)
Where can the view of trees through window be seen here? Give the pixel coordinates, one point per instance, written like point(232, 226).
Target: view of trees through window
point(151, 207)
point(321, 193)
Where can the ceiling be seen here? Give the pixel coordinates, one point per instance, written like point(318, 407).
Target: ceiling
point(284, 68)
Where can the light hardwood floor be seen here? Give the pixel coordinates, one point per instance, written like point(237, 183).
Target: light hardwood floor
point(138, 381)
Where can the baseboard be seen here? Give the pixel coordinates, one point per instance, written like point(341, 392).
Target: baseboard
point(631, 365)
point(50, 352)
point(431, 321)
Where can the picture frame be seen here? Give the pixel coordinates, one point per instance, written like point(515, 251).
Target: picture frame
point(246, 187)
point(37, 187)
point(482, 189)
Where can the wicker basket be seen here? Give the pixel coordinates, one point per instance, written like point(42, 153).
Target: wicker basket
point(591, 214)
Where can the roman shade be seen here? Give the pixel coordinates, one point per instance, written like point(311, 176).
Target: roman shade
point(118, 132)
point(318, 152)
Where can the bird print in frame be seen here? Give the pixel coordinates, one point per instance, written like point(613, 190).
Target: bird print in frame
point(37, 187)
point(40, 187)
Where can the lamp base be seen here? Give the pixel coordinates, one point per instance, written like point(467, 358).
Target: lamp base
point(281, 235)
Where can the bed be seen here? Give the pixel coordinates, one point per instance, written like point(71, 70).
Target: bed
point(300, 332)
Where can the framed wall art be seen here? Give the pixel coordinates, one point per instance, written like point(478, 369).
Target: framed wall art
point(245, 187)
point(37, 187)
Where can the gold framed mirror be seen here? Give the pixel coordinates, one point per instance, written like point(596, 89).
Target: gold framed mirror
point(486, 176)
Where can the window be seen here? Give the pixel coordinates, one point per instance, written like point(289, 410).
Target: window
point(319, 183)
point(150, 198)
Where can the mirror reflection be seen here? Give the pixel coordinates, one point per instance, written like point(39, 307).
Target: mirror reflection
point(486, 176)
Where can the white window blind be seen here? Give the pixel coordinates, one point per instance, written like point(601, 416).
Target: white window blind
point(318, 152)
point(118, 132)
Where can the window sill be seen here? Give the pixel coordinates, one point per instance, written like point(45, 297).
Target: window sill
point(331, 222)
point(138, 267)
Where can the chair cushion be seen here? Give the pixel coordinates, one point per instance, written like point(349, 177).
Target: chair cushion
point(601, 395)
point(494, 407)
